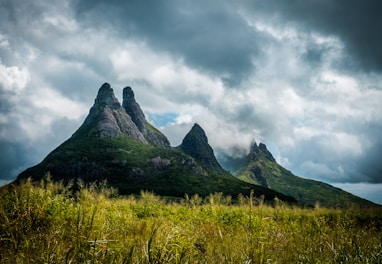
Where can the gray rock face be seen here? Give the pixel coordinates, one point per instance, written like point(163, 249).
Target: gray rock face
point(258, 175)
point(151, 134)
point(106, 96)
point(107, 118)
point(195, 144)
point(159, 164)
point(133, 109)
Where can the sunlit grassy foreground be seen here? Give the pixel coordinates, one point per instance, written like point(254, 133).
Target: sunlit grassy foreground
point(47, 224)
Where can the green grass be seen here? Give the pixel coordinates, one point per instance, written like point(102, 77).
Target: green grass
point(46, 223)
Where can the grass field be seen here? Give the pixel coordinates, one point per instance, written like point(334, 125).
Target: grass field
point(46, 223)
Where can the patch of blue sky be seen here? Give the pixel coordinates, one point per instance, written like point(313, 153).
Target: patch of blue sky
point(160, 120)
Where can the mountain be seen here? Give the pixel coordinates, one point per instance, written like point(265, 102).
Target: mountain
point(260, 167)
point(195, 144)
point(117, 144)
point(108, 119)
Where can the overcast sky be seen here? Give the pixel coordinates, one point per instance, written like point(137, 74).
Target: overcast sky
point(303, 77)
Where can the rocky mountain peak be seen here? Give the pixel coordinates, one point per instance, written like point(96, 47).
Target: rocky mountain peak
point(133, 109)
point(108, 119)
point(198, 131)
point(106, 96)
point(152, 135)
point(261, 149)
point(195, 144)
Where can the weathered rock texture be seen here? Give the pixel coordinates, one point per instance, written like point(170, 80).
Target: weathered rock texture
point(117, 144)
point(260, 150)
point(195, 144)
point(151, 134)
point(108, 119)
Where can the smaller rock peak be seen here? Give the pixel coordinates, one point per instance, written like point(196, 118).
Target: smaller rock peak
point(133, 109)
point(105, 86)
point(262, 146)
point(254, 147)
point(195, 144)
point(106, 96)
point(197, 127)
point(261, 149)
point(198, 130)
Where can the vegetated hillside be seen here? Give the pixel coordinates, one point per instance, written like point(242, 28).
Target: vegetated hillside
point(116, 143)
point(261, 168)
point(44, 223)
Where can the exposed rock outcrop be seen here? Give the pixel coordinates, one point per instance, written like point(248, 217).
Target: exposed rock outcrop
point(258, 176)
point(133, 109)
point(108, 119)
point(260, 150)
point(117, 144)
point(151, 134)
point(195, 144)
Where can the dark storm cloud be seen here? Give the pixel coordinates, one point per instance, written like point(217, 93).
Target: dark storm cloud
point(208, 35)
point(370, 164)
point(357, 23)
point(12, 159)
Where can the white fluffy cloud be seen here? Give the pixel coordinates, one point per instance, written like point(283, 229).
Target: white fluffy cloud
point(13, 79)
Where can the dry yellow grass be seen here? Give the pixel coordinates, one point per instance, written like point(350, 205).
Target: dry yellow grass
point(47, 224)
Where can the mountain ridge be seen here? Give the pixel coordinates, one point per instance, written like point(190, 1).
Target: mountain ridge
point(116, 143)
point(261, 168)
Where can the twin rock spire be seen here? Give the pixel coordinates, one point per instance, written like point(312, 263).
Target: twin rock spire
point(109, 119)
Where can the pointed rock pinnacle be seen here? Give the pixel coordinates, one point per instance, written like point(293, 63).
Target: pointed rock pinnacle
point(261, 149)
point(152, 135)
point(133, 109)
point(106, 96)
point(108, 119)
point(195, 144)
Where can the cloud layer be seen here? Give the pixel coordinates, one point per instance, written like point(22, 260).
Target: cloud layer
point(304, 77)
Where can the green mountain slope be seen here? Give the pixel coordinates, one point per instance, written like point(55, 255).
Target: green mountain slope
point(261, 168)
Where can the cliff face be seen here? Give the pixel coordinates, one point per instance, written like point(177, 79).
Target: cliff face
point(150, 133)
point(108, 119)
point(195, 144)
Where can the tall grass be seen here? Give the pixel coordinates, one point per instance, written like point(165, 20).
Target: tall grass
point(48, 223)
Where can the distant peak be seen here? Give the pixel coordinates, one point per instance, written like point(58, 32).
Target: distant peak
point(262, 146)
point(254, 147)
point(261, 149)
